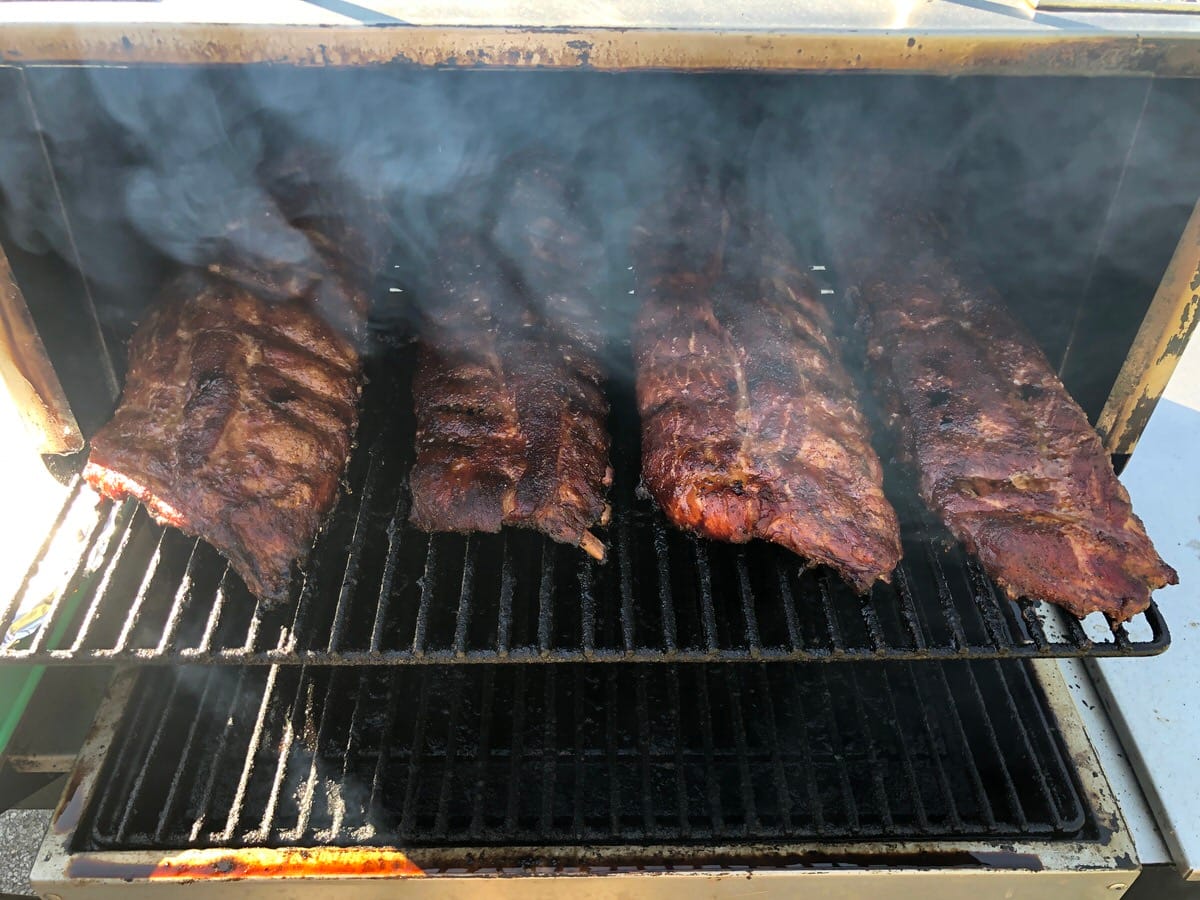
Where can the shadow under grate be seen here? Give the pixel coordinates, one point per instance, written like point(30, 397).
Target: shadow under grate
point(544, 755)
point(381, 592)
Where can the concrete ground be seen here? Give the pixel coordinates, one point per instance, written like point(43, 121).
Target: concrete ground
point(21, 832)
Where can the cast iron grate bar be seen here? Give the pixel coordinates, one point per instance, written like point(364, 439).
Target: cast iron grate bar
point(379, 592)
point(544, 756)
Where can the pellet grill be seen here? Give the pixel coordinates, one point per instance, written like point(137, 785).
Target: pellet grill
point(449, 714)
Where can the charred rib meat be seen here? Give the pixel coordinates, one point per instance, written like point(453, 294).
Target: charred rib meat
point(510, 410)
point(750, 423)
point(241, 399)
point(234, 425)
point(1004, 454)
point(509, 392)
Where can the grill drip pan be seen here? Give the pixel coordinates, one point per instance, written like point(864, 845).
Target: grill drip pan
point(380, 592)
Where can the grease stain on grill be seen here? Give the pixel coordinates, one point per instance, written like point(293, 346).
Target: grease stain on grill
point(253, 862)
point(71, 806)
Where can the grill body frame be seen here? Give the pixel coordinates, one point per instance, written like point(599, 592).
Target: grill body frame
point(846, 35)
point(834, 37)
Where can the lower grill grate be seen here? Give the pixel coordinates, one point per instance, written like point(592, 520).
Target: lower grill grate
point(560, 755)
point(381, 592)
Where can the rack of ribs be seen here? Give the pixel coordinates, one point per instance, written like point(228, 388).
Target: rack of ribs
point(241, 399)
point(510, 406)
point(750, 422)
point(1004, 454)
point(235, 424)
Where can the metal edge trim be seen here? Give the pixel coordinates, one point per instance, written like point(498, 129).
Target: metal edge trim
point(1084, 758)
point(1021, 51)
point(81, 783)
point(29, 374)
point(1145, 6)
point(1157, 347)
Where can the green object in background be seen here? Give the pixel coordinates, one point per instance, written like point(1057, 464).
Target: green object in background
point(17, 683)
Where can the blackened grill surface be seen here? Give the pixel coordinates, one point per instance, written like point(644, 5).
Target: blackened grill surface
point(568, 755)
point(379, 591)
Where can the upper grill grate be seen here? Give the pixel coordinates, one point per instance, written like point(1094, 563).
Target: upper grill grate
point(380, 592)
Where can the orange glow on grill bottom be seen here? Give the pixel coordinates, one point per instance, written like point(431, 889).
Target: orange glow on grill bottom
point(289, 862)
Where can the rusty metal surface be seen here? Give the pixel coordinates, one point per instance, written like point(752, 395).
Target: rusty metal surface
point(730, 46)
point(29, 374)
point(898, 868)
point(1156, 349)
point(1000, 36)
point(583, 884)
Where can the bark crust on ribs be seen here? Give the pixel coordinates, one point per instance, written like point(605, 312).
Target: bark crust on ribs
point(1004, 454)
point(750, 422)
point(234, 425)
point(241, 398)
point(510, 407)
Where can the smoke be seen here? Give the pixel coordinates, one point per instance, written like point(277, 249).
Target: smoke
point(154, 165)
point(1067, 195)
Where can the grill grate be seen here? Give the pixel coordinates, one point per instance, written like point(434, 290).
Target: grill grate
point(380, 592)
point(544, 755)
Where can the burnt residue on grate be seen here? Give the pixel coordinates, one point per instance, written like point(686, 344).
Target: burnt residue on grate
point(381, 592)
point(542, 755)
